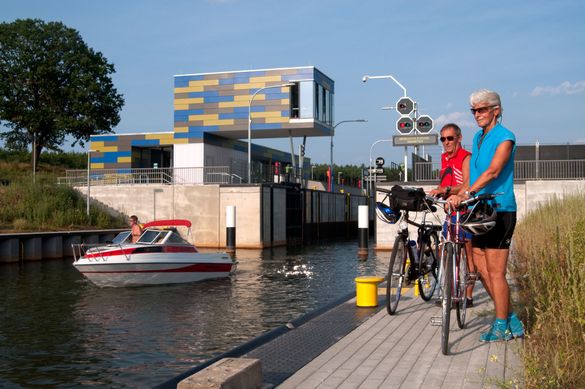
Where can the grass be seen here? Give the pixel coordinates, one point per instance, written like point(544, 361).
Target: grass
point(44, 205)
point(549, 252)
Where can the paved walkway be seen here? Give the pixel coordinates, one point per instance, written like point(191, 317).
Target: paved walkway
point(403, 351)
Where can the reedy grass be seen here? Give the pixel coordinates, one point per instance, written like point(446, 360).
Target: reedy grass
point(549, 264)
point(45, 206)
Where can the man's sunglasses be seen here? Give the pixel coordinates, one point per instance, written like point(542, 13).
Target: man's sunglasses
point(482, 110)
point(449, 138)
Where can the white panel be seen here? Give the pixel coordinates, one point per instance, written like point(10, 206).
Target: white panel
point(188, 155)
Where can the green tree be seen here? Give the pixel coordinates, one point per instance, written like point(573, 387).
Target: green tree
point(52, 85)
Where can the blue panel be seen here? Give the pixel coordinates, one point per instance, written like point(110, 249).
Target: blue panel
point(145, 142)
point(181, 82)
point(204, 94)
point(218, 99)
point(124, 171)
point(266, 126)
point(103, 138)
point(285, 114)
point(277, 96)
point(203, 128)
point(235, 115)
point(235, 80)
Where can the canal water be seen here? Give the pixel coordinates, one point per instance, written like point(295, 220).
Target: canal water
point(59, 330)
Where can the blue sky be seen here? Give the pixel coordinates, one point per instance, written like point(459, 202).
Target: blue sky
point(531, 52)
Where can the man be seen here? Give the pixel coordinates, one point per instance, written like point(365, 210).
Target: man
point(135, 228)
point(455, 176)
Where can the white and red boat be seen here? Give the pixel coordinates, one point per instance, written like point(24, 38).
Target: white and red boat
point(160, 256)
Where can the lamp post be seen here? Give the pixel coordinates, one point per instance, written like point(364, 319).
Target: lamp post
point(312, 174)
point(88, 184)
point(250, 124)
point(370, 185)
point(331, 177)
point(365, 79)
point(339, 178)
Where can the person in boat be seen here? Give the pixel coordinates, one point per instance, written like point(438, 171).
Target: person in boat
point(136, 229)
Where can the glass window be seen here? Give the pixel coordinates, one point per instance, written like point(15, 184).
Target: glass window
point(122, 237)
point(307, 99)
point(324, 110)
point(294, 101)
point(149, 236)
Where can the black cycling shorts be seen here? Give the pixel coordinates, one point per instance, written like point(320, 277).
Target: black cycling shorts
point(500, 236)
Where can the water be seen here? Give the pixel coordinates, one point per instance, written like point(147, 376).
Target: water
point(58, 330)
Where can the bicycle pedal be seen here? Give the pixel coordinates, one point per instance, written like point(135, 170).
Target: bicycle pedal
point(436, 321)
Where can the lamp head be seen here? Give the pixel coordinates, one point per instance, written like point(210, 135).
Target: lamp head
point(365, 78)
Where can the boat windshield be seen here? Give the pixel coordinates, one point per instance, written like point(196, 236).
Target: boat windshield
point(122, 237)
point(176, 238)
point(152, 236)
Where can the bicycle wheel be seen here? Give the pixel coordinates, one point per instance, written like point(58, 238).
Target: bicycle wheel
point(461, 287)
point(447, 287)
point(396, 274)
point(428, 266)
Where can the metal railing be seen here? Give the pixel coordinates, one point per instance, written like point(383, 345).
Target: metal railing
point(177, 176)
point(523, 170)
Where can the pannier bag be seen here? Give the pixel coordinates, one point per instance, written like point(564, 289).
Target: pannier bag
point(407, 199)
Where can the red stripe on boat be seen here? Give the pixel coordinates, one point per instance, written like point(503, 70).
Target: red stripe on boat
point(195, 268)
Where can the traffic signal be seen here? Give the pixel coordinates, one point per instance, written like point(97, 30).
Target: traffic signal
point(424, 124)
point(405, 106)
point(405, 125)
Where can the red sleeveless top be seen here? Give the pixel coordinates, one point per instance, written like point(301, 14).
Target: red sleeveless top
point(451, 167)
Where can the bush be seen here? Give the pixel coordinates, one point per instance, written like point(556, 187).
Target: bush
point(549, 252)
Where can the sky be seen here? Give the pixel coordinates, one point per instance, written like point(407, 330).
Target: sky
point(531, 52)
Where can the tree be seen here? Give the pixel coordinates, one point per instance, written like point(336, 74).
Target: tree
point(53, 85)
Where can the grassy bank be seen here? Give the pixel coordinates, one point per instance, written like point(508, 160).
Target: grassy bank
point(43, 205)
point(550, 266)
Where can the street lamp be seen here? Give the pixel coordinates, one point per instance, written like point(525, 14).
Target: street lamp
point(339, 178)
point(250, 124)
point(365, 79)
point(88, 185)
point(312, 175)
point(331, 177)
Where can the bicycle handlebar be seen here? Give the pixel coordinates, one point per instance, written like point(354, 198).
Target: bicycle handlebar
point(470, 200)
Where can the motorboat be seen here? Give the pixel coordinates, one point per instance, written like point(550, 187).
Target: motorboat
point(160, 256)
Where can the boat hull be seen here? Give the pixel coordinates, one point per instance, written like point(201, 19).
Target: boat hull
point(154, 268)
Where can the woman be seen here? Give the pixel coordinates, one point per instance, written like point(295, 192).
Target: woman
point(491, 170)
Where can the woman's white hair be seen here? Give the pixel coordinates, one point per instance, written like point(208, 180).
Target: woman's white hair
point(486, 96)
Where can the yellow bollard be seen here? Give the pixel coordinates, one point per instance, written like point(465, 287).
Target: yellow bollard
point(416, 288)
point(367, 290)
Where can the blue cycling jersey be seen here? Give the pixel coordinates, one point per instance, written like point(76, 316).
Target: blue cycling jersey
point(481, 157)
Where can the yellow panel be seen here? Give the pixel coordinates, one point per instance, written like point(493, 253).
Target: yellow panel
point(229, 104)
point(203, 82)
point(284, 101)
point(265, 78)
point(276, 120)
point(180, 141)
point(189, 89)
point(224, 122)
point(105, 149)
point(250, 85)
point(96, 144)
point(124, 159)
point(192, 100)
point(158, 136)
point(269, 114)
point(181, 129)
point(259, 97)
point(214, 116)
point(181, 106)
point(97, 165)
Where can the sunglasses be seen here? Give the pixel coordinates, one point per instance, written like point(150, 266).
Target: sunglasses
point(482, 110)
point(449, 138)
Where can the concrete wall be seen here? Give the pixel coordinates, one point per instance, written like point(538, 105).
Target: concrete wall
point(529, 196)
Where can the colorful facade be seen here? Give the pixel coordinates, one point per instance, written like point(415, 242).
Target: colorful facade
point(211, 112)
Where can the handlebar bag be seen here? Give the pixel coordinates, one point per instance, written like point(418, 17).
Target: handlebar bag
point(407, 199)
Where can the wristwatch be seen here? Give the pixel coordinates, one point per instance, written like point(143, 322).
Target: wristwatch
point(470, 193)
point(447, 190)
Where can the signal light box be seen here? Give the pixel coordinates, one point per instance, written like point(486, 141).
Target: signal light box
point(404, 125)
point(405, 106)
point(424, 124)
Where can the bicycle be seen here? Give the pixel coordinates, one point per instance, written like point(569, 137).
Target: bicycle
point(454, 277)
point(410, 261)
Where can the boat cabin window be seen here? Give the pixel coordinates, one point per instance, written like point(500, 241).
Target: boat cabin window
point(151, 236)
point(176, 238)
point(122, 237)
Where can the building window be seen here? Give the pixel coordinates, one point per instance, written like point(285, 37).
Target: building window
point(294, 101)
point(306, 98)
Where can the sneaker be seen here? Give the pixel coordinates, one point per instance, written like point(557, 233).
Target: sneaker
point(498, 331)
point(469, 302)
point(515, 325)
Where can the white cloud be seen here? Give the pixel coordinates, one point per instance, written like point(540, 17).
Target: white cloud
point(459, 118)
point(565, 88)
